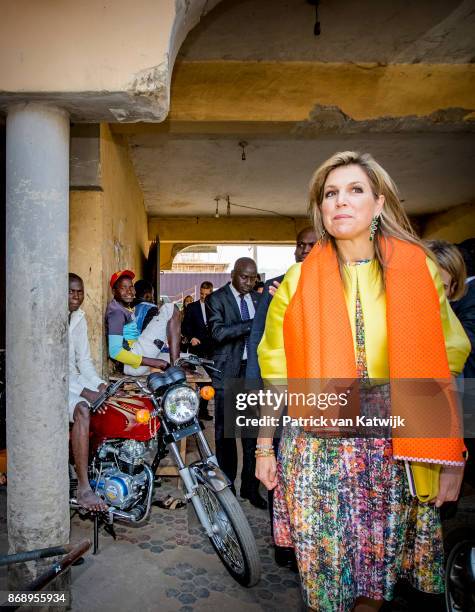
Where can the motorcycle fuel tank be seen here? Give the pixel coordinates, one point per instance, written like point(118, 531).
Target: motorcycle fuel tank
point(120, 421)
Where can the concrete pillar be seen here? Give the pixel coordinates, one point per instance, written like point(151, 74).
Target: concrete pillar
point(37, 178)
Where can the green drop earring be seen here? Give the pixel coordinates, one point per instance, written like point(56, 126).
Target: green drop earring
point(373, 227)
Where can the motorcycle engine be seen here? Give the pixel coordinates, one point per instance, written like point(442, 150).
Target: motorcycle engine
point(122, 482)
point(131, 457)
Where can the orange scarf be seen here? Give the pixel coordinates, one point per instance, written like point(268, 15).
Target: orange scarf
point(319, 344)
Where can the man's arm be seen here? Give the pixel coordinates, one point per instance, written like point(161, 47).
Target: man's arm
point(88, 377)
point(174, 335)
point(221, 332)
point(253, 371)
point(115, 340)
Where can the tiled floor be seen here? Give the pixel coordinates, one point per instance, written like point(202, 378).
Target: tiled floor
point(169, 564)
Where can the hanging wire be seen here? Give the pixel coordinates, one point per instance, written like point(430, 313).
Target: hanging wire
point(272, 212)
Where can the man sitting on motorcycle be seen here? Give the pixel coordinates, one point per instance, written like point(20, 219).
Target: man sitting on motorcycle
point(85, 386)
point(139, 352)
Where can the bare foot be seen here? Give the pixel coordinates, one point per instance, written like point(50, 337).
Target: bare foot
point(89, 500)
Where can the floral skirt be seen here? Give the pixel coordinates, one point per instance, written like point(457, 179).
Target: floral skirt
point(345, 506)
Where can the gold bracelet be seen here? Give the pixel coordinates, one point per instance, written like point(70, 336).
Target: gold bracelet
point(268, 452)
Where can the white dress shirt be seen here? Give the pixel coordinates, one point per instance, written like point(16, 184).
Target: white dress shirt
point(203, 311)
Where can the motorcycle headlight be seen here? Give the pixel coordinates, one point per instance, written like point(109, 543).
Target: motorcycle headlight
point(181, 404)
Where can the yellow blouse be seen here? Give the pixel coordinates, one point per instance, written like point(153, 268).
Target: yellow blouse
point(367, 277)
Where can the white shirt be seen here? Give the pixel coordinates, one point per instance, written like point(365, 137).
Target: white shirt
point(203, 311)
point(82, 373)
point(250, 307)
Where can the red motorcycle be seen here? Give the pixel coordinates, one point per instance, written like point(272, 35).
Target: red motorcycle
point(134, 434)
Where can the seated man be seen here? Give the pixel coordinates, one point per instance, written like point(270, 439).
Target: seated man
point(85, 386)
point(145, 307)
point(139, 352)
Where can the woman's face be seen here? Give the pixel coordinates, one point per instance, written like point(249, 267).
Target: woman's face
point(349, 205)
point(448, 282)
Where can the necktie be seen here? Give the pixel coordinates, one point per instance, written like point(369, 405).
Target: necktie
point(244, 316)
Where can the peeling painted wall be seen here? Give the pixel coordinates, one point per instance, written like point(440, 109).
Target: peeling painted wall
point(125, 220)
point(86, 228)
point(108, 232)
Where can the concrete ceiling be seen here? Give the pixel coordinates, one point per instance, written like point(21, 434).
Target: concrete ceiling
point(392, 79)
point(181, 176)
point(437, 31)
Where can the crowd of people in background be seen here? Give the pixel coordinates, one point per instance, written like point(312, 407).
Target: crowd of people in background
point(366, 300)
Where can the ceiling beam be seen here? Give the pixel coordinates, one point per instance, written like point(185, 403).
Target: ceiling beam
point(280, 91)
point(230, 230)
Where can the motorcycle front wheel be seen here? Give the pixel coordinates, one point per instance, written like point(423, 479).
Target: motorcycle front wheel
point(459, 578)
point(233, 539)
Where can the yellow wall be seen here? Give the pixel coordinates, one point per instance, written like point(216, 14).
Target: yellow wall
point(454, 225)
point(108, 232)
point(86, 229)
point(125, 220)
point(229, 90)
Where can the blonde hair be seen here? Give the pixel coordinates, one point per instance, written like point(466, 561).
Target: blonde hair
point(393, 220)
point(450, 259)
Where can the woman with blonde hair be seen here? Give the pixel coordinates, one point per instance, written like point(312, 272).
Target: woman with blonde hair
point(451, 267)
point(366, 305)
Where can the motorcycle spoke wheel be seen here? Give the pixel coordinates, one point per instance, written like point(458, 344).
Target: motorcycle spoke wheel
point(233, 539)
point(460, 572)
point(225, 539)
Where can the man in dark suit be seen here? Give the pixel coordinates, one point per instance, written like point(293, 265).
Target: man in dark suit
point(195, 328)
point(306, 239)
point(230, 312)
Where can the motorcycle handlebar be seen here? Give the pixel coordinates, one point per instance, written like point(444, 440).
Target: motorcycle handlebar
point(193, 360)
point(111, 390)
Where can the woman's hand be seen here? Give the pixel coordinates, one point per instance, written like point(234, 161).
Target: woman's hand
point(266, 471)
point(449, 484)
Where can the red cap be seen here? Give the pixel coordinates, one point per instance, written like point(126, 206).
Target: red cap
point(115, 277)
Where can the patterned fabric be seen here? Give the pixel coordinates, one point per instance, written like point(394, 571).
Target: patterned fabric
point(245, 316)
point(345, 507)
point(122, 332)
point(361, 367)
point(141, 311)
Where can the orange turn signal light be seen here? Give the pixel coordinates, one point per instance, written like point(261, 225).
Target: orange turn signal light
point(142, 416)
point(207, 393)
